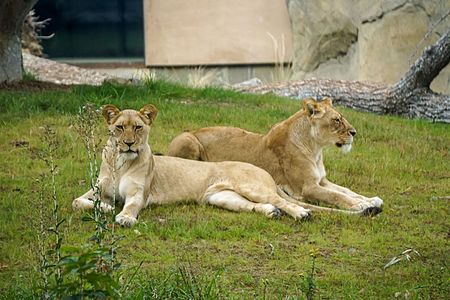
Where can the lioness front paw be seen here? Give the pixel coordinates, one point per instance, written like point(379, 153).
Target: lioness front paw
point(78, 204)
point(371, 211)
point(87, 204)
point(376, 201)
point(125, 220)
point(368, 208)
point(361, 206)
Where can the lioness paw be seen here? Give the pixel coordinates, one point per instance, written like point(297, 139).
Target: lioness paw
point(125, 220)
point(106, 208)
point(86, 204)
point(368, 208)
point(371, 211)
point(274, 212)
point(376, 201)
point(303, 214)
point(77, 204)
point(361, 206)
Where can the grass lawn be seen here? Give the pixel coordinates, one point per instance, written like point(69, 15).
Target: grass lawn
point(405, 162)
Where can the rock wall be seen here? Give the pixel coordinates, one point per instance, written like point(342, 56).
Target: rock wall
point(374, 40)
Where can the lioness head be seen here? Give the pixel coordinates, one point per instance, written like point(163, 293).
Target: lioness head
point(129, 128)
point(327, 125)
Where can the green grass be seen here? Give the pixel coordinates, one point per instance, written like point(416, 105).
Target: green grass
point(29, 77)
point(405, 162)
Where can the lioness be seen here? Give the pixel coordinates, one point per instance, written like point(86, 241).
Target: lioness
point(291, 152)
point(131, 174)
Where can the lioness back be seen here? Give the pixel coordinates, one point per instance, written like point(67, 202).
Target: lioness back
point(216, 144)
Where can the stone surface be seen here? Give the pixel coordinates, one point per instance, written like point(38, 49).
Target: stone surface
point(321, 31)
point(248, 83)
point(375, 40)
point(387, 46)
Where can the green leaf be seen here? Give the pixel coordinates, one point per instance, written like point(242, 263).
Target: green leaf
point(60, 222)
point(87, 218)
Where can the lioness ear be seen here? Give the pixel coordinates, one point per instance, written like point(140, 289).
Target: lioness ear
point(149, 112)
point(327, 101)
point(310, 105)
point(109, 112)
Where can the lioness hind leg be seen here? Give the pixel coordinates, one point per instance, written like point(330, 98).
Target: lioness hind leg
point(231, 200)
point(296, 211)
point(186, 145)
point(269, 196)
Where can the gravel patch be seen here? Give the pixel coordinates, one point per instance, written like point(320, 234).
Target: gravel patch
point(60, 73)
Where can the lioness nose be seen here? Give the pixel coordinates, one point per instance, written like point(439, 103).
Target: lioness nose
point(352, 132)
point(129, 144)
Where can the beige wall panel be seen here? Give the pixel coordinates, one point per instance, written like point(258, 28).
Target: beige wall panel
point(216, 32)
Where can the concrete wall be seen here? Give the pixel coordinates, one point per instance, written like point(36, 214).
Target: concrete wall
point(219, 32)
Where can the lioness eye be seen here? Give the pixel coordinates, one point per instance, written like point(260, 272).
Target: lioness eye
point(120, 127)
point(138, 127)
point(336, 120)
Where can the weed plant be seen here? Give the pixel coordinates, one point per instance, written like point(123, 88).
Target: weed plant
point(77, 272)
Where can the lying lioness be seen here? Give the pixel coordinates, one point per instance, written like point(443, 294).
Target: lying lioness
point(131, 174)
point(291, 152)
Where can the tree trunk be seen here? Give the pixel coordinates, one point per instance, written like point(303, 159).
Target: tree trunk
point(411, 96)
point(12, 15)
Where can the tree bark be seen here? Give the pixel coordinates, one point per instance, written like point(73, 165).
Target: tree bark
point(12, 15)
point(411, 96)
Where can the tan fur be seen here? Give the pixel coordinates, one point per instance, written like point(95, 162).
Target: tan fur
point(130, 174)
point(291, 152)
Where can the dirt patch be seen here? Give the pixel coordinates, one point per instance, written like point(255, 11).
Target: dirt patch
point(33, 86)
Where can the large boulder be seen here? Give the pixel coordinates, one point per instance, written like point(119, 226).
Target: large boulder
point(321, 31)
point(375, 40)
